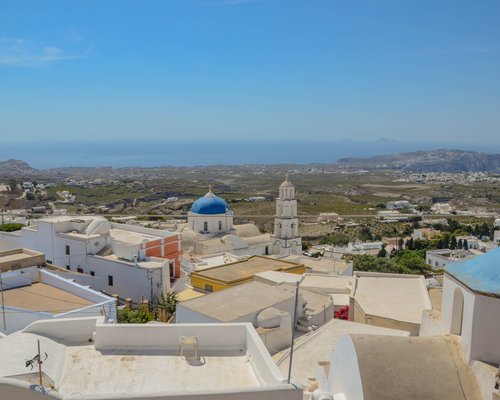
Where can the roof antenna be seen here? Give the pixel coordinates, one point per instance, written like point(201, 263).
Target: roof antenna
point(37, 360)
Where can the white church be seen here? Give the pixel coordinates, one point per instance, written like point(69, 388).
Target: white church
point(210, 230)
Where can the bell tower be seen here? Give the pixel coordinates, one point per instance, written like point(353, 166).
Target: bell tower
point(286, 238)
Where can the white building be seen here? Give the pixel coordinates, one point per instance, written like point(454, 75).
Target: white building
point(286, 237)
point(438, 259)
point(471, 305)
point(399, 205)
point(30, 293)
point(83, 358)
point(270, 308)
point(130, 261)
point(372, 367)
point(442, 208)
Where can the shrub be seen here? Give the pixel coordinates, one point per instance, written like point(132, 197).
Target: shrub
point(10, 227)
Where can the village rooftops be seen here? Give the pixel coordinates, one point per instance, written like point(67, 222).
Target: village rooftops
point(89, 359)
point(241, 271)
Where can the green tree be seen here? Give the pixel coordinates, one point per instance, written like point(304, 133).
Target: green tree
point(169, 302)
point(365, 234)
point(466, 245)
point(453, 243)
point(30, 196)
point(383, 252)
point(337, 239)
point(139, 316)
point(413, 261)
point(11, 227)
point(12, 184)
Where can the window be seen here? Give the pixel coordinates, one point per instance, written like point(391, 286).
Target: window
point(92, 273)
point(110, 280)
point(220, 225)
point(67, 250)
point(171, 268)
point(68, 267)
point(209, 288)
point(80, 270)
point(205, 226)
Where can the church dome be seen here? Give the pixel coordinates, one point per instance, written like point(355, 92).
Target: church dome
point(210, 204)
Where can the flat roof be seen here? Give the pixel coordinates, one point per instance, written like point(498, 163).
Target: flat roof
point(413, 367)
point(317, 346)
point(189, 294)
point(20, 258)
point(150, 263)
point(240, 270)
point(126, 371)
point(397, 297)
point(332, 284)
point(238, 301)
point(142, 360)
point(277, 277)
point(44, 298)
point(323, 265)
point(131, 237)
point(7, 245)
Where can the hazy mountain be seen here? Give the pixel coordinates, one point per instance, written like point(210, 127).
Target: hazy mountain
point(430, 161)
point(16, 168)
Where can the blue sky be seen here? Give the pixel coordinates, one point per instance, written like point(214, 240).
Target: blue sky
point(419, 70)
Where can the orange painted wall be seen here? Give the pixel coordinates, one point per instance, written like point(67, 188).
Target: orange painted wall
point(171, 251)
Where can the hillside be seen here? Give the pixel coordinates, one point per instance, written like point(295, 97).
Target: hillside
point(430, 161)
point(16, 168)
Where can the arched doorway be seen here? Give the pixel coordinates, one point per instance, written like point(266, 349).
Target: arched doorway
point(294, 247)
point(277, 247)
point(457, 312)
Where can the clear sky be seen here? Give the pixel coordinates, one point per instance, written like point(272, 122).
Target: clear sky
point(420, 70)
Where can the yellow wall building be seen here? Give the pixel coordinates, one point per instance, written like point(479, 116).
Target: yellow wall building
point(238, 272)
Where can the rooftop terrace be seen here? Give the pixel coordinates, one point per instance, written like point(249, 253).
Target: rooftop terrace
point(144, 361)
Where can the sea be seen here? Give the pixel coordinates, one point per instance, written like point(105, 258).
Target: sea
point(202, 152)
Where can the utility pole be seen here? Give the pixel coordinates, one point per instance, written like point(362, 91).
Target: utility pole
point(39, 363)
point(293, 331)
point(3, 303)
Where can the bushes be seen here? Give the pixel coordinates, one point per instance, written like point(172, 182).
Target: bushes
point(10, 227)
point(139, 316)
point(403, 262)
point(337, 239)
point(343, 313)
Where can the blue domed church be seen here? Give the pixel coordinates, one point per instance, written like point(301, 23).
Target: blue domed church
point(210, 215)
